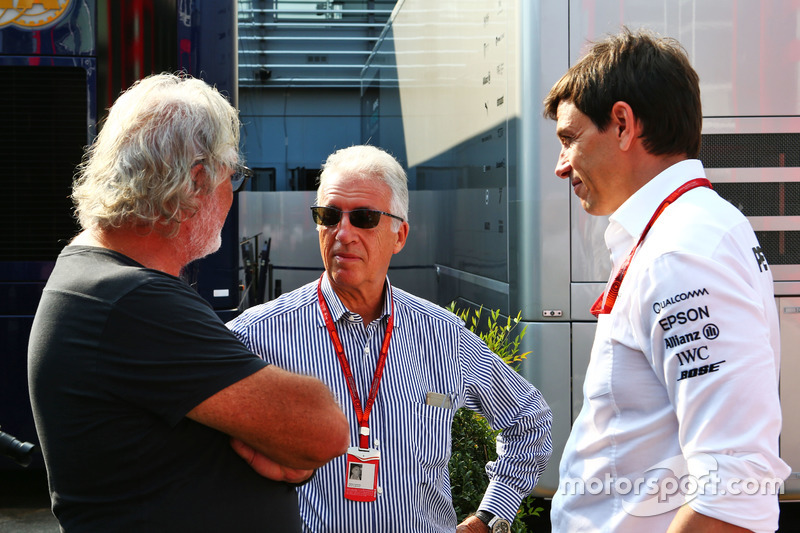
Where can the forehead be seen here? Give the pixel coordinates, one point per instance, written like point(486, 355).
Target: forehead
point(569, 117)
point(349, 191)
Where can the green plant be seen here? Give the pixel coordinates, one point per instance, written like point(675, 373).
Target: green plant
point(473, 439)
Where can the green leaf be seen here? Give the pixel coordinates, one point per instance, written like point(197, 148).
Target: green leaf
point(473, 440)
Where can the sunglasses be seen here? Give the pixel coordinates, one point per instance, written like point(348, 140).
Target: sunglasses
point(360, 218)
point(240, 177)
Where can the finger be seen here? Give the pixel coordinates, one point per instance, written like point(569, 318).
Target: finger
point(245, 452)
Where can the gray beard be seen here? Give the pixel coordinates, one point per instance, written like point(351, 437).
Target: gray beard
point(206, 236)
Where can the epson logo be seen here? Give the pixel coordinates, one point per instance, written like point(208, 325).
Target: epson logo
point(677, 340)
point(663, 304)
point(683, 317)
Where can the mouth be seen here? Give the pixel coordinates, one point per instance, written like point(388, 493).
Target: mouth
point(576, 183)
point(345, 257)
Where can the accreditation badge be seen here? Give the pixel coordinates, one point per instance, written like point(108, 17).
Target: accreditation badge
point(361, 476)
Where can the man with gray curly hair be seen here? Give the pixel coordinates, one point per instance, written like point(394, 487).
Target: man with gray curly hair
point(152, 416)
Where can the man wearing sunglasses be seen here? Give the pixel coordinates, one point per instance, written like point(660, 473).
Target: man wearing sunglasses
point(400, 367)
point(137, 386)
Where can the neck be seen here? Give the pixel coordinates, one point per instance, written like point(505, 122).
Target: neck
point(151, 249)
point(650, 167)
point(367, 304)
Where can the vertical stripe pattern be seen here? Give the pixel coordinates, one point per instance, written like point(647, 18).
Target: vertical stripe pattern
point(430, 351)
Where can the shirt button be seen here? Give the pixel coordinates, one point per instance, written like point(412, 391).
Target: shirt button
point(380, 491)
point(377, 443)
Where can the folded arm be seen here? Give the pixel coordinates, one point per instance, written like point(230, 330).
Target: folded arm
point(290, 419)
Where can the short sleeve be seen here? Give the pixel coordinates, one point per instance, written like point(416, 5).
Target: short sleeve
point(168, 351)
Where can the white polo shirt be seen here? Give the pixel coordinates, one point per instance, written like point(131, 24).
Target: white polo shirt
point(681, 394)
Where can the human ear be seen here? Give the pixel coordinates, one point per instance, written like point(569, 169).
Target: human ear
point(625, 125)
point(402, 235)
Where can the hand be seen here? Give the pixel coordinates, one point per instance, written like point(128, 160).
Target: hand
point(472, 524)
point(268, 468)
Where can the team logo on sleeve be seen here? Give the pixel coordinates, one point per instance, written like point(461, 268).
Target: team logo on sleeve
point(660, 305)
point(761, 259)
point(677, 340)
point(700, 370)
point(710, 331)
point(684, 317)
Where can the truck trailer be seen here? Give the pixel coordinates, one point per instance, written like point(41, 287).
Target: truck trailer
point(454, 90)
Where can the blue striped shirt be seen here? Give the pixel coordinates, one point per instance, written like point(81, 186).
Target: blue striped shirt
point(430, 351)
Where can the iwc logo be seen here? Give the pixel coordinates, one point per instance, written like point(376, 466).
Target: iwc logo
point(32, 14)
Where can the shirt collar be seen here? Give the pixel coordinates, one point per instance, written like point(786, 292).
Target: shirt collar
point(339, 311)
point(627, 223)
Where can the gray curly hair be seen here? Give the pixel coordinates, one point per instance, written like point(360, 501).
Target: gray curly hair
point(138, 171)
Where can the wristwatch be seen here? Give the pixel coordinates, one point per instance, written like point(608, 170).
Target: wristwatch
point(496, 524)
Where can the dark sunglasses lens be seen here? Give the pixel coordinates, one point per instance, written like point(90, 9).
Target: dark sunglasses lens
point(326, 216)
point(365, 218)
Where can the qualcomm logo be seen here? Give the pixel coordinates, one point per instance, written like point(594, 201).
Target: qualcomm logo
point(33, 14)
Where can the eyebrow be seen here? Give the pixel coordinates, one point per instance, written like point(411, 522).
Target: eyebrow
point(567, 128)
point(340, 209)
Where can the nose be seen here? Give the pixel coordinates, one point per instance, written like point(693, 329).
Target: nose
point(563, 166)
point(345, 231)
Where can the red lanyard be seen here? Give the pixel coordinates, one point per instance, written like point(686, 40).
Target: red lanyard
point(363, 416)
point(605, 304)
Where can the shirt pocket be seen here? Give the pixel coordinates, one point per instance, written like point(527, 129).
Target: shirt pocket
point(432, 434)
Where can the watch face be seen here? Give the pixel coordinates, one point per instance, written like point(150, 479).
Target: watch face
point(501, 526)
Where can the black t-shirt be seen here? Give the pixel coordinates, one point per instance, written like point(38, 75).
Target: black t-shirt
point(118, 355)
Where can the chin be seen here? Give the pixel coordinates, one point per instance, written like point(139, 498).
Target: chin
point(343, 277)
point(213, 246)
point(200, 250)
point(593, 209)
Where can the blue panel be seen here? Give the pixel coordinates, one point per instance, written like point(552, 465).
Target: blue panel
point(207, 48)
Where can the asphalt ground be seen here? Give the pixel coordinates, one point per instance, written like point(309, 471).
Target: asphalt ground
point(25, 502)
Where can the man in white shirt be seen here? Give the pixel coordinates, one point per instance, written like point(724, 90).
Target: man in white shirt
point(680, 420)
